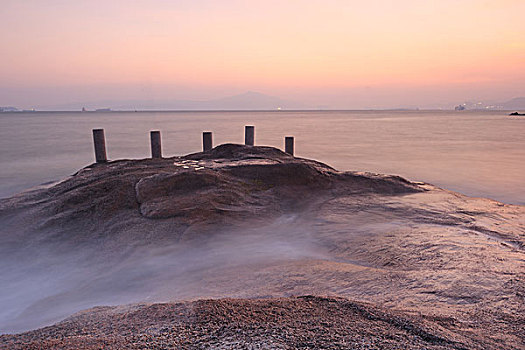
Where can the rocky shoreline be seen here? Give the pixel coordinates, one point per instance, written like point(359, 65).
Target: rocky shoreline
point(434, 268)
point(305, 322)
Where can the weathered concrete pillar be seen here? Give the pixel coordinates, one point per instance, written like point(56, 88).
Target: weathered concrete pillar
point(249, 135)
point(288, 144)
point(207, 143)
point(156, 148)
point(100, 145)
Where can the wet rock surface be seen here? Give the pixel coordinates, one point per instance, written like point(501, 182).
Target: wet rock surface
point(253, 222)
point(228, 176)
point(304, 322)
point(201, 183)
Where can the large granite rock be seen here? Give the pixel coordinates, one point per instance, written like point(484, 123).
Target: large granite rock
point(254, 222)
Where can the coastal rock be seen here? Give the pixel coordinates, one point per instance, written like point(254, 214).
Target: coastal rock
point(230, 180)
point(305, 322)
point(254, 222)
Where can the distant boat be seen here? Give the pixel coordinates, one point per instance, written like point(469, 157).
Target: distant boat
point(516, 113)
point(459, 108)
point(103, 110)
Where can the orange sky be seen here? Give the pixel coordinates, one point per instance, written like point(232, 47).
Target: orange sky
point(323, 52)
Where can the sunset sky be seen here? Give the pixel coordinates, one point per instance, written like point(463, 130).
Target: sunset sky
point(342, 54)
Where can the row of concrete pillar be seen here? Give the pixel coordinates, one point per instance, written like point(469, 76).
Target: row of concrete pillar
point(99, 141)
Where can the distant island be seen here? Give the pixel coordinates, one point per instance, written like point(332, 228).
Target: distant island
point(14, 109)
point(246, 101)
point(9, 109)
point(249, 101)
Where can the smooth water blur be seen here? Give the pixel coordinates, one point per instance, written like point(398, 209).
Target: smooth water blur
point(480, 154)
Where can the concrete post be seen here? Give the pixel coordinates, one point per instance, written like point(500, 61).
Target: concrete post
point(100, 145)
point(207, 143)
point(288, 144)
point(156, 148)
point(249, 135)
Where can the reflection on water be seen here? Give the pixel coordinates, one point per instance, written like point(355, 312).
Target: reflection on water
point(476, 153)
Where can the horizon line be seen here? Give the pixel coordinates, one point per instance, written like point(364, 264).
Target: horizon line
point(252, 110)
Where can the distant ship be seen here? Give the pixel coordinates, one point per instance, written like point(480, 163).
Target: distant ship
point(459, 108)
point(103, 110)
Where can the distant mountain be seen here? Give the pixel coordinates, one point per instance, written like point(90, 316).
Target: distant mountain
point(252, 100)
point(247, 101)
point(515, 103)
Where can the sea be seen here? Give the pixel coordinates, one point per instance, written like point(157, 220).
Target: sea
point(477, 153)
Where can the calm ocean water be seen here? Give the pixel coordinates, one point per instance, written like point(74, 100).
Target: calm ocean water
point(480, 154)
